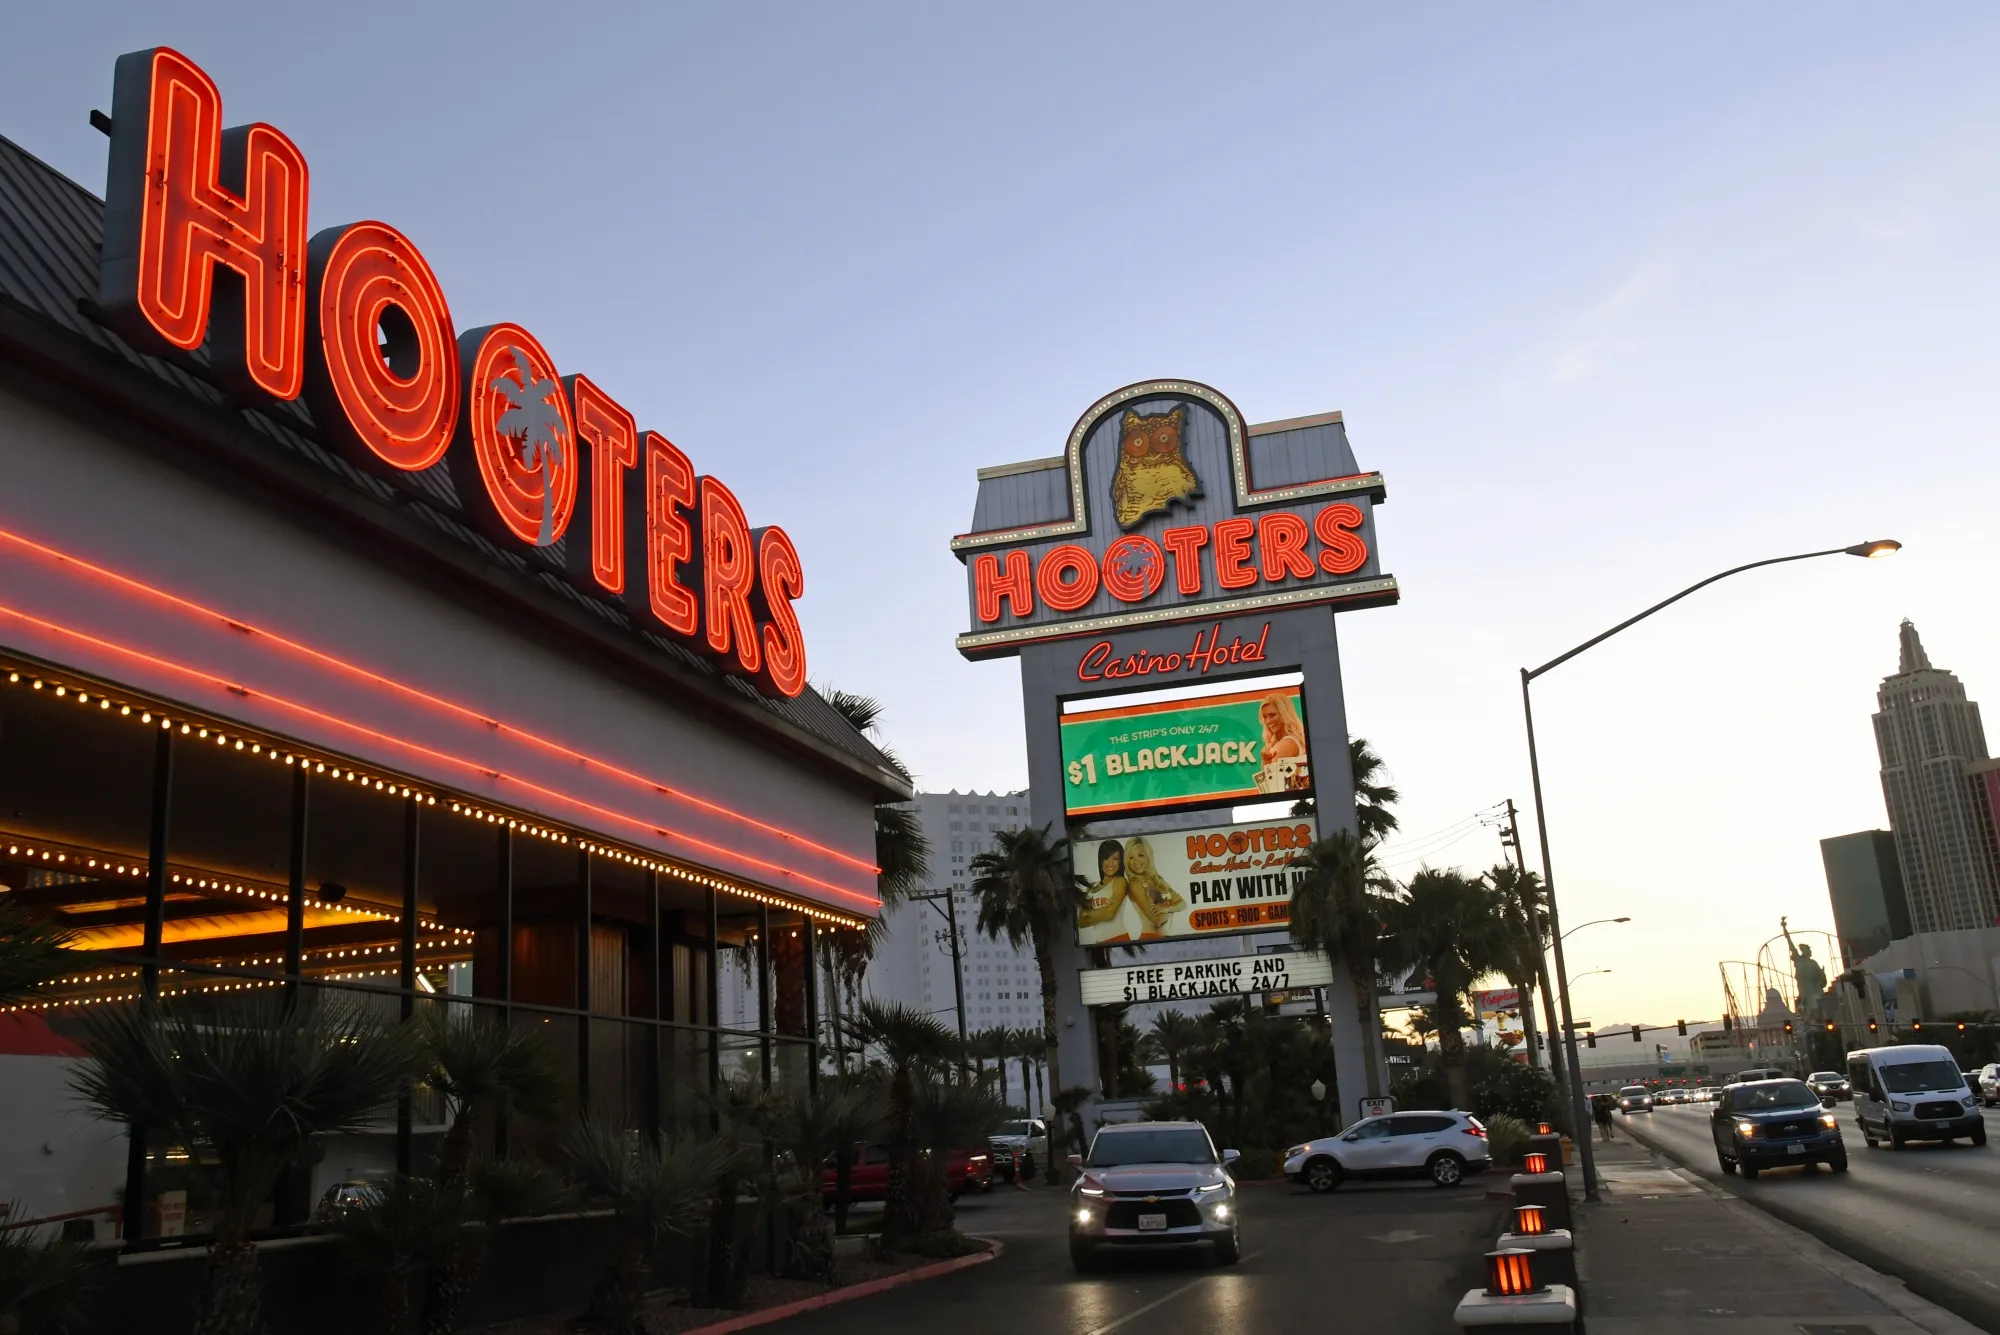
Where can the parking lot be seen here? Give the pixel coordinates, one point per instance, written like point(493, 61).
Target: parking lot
point(1394, 1256)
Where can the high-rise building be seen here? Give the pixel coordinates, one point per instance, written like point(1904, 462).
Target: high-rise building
point(1928, 733)
point(1866, 887)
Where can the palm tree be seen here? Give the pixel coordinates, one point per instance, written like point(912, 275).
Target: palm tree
point(484, 1070)
point(245, 1086)
point(533, 418)
point(944, 1117)
point(1525, 906)
point(1028, 890)
point(741, 1109)
point(1340, 905)
point(653, 1190)
point(808, 1127)
point(1176, 1033)
point(912, 1042)
point(1453, 926)
point(494, 1192)
point(41, 1280)
point(1372, 796)
point(411, 1228)
point(33, 951)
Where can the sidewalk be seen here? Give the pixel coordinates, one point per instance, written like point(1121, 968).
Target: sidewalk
point(1664, 1252)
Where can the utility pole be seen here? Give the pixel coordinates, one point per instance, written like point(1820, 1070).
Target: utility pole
point(949, 936)
point(1511, 838)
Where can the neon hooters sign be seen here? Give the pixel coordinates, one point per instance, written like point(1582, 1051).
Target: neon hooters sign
point(1166, 506)
point(205, 240)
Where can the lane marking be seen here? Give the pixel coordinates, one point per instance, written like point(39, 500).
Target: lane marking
point(1160, 1301)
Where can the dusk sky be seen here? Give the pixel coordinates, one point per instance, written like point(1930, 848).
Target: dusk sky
point(1614, 300)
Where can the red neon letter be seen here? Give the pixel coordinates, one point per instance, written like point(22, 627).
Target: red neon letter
point(1232, 553)
point(1344, 551)
point(614, 447)
point(1134, 568)
point(184, 196)
point(658, 538)
point(728, 575)
point(1066, 577)
point(382, 364)
point(780, 581)
point(1186, 545)
point(1281, 547)
point(516, 444)
point(988, 584)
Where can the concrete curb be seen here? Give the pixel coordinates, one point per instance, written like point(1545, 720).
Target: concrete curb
point(1874, 1275)
point(993, 1253)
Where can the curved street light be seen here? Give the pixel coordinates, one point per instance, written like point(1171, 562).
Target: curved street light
point(1592, 923)
point(1587, 973)
point(1875, 548)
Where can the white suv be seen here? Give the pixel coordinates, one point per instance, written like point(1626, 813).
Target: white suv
point(1635, 1098)
point(1443, 1146)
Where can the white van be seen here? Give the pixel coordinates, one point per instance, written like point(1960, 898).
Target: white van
point(1912, 1092)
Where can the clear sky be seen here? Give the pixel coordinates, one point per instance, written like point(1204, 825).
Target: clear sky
point(1614, 297)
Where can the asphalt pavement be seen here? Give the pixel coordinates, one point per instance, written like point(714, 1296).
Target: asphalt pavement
point(1927, 1214)
point(1390, 1256)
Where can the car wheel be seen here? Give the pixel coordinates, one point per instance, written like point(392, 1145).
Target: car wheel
point(1749, 1171)
point(1867, 1135)
point(1838, 1161)
point(1323, 1174)
point(1082, 1257)
point(1978, 1136)
point(1229, 1250)
point(1727, 1164)
point(1895, 1139)
point(1446, 1169)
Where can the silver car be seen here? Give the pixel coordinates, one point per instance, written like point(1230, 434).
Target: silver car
point(1151, 1185)
point(1020, 1148)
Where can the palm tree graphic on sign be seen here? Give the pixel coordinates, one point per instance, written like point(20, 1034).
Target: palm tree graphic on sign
point(534, 418)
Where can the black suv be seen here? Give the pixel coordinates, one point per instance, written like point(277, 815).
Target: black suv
point(1771, 1123)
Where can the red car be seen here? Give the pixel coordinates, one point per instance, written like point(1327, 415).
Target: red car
point(868, 1180)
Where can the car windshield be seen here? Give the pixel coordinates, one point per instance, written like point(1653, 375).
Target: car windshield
point(1777, 1094)
point(1016, 1129)
point(1630, 1090)
point(1166, 1145)
point(1825, 1075)
point(1915, 1077)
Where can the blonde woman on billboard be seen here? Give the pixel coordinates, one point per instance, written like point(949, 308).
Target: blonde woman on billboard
point(1284, 752)
point(1109, 897)
point(1149, 892)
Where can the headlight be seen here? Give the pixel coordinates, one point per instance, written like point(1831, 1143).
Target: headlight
point(1971, 1103)
point(1222, 1211)
point(1899, 1105)
point(1083, 1216)
point(1090, 1191)
point(1213, 1186)
point(1828, 1119)
point(1295, 1151)
point(1746, 1129)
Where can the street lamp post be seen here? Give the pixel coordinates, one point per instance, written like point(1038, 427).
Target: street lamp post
point(1882, 547)
point(1592, 923)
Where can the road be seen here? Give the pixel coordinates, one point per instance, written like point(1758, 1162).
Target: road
point(1393, 1256)
point(1928, 1214)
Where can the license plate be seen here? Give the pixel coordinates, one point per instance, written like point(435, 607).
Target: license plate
point(1149, 1222)
point(1795, 1149)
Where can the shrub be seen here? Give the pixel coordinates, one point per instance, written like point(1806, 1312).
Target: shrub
point(1507, 1139)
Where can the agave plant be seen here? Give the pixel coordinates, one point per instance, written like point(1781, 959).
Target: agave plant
point(246, 1084)
point(42, 1281)
point(653, 1190)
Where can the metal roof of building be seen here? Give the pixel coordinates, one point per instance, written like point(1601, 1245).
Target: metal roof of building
point(51, 232)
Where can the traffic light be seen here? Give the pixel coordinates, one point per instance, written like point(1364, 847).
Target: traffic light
point(1728, 1023)
point(1830, 1026)
point(1961, 1026)
point(1591, 1038)
point(1788, 1026)
point(1682, 1026)
point(1871, 1026)
point(1916, 1024)
point(1635, 1033)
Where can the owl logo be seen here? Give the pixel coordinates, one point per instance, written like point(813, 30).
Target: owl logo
point(1153, 469)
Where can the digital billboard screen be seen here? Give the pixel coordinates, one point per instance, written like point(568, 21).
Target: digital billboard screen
point(1164, 755)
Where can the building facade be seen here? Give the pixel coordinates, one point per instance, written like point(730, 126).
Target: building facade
point(297, 702)
point(1927, 733)
point(1865, 883)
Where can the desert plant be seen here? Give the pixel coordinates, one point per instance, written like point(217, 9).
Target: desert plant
point(485, 1068)
point(653, 1190)
point(42, 1281)
point(808, 1129)
point(246, 1085)
point(911, 1042)
point(741, 1110)
point(410, 1228)
point(1506, 1139)
point(944, 1117)
point(492, 1191)
point(33, 950)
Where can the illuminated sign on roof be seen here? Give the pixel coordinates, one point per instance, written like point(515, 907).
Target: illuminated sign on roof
point(205, 240)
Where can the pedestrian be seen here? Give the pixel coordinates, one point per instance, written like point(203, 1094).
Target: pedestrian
point(1601, 1108)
